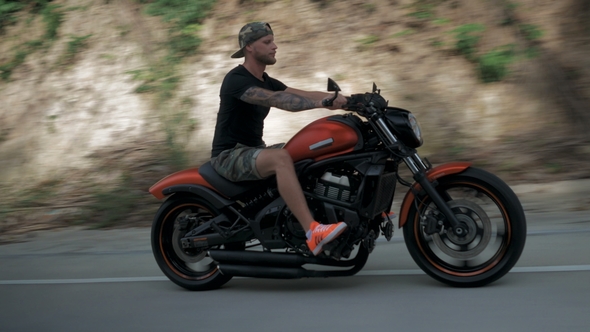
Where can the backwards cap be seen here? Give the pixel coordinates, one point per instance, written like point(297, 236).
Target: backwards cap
point(250, 33)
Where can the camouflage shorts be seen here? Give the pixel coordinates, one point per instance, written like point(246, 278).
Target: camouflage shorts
point(239, 163)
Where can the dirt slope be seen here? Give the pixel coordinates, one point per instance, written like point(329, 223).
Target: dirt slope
point(70, 132)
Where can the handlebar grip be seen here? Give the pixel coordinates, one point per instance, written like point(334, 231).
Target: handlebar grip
point(349, 104)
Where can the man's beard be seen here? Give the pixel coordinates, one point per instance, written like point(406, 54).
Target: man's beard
point(266, 59)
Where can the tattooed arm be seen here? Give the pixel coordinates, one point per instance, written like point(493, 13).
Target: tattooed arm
point(338, 103)
point(286, 100)
point(291, 99)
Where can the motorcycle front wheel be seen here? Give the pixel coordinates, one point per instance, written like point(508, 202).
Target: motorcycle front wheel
point(189, 268)
point(496, 235)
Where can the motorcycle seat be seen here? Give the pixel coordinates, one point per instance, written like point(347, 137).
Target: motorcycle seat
point(224, 186)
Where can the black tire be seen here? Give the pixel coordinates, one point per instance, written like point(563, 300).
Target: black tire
point(191, 269)
point(494, 243)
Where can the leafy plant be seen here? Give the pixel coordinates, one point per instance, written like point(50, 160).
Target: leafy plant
point(182, 12)
point(531, 31)
point(19, 57)
point(423, 11)
point(369, 8)
point(7, 8)
point(108, 206)
point(4, 132)
point(467, 36)
point(493, 66)
point(441, 21)
point(183, 45)
point(366, 42)
point(75, 44)
point(7, 68)
point(38, 195)
point(404, 33)
point(53, 17)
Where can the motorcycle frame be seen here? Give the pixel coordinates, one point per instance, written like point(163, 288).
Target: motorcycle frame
point(190, 181)
point(372, 165)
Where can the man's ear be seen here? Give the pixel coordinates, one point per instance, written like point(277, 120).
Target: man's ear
point(248, 48)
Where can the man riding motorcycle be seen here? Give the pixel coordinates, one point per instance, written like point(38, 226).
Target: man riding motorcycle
point(239, 153)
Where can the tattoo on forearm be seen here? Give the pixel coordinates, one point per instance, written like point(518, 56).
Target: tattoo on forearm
point(279, 99)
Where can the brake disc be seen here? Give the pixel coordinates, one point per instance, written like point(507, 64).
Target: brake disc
point(475, 218)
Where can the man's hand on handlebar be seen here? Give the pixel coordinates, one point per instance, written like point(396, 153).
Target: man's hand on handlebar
point(338, 103)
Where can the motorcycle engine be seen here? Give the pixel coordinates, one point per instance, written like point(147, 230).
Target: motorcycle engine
point(334, 186)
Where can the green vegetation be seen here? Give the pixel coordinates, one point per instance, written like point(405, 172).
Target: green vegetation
point(467, 37)
point(110, 205)
point(531, 32)
point(37, 196)
point(182, 12)
point(4, 132)
point(423, 10)
point(52, 16)
point(369, 8)
point(553, 168)
point(405, 32)
point(75, 45)
point(161, 78)
point(493, 66)
point(366, 42)
point(7, 9)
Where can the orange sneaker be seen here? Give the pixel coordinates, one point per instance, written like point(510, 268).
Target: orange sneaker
point(319, 235)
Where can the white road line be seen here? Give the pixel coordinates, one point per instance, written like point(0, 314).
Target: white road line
point(531, 269)
point(80, 281)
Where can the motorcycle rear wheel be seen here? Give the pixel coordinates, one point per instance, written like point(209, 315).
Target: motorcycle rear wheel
point(189, 268)
point(497, 230)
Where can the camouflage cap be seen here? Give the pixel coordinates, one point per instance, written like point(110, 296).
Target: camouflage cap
point(250, 33)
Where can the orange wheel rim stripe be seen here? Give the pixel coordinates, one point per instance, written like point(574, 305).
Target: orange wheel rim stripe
point(500, 255)
point(170, 265)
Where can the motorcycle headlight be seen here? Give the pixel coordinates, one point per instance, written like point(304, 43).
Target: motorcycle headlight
point(405, 126)
point(415, 127)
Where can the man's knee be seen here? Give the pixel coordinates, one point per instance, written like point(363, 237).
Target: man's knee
point(273, 159)
point(282, 158)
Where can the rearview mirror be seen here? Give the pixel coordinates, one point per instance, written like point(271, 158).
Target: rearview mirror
point(332, 86)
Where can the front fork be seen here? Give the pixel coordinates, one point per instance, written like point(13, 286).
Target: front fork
point(419, 169)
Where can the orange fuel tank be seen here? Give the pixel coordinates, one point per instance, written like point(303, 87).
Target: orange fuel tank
point(324, 138)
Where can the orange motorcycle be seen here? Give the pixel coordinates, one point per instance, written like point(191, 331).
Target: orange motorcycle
point(462, 225)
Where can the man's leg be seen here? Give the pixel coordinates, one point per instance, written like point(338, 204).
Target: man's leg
point(279, 162)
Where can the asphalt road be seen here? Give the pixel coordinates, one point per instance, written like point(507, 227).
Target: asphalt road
point(81, 280)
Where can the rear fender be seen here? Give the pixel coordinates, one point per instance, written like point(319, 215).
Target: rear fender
point(186, 177)
point(432, 174)
point(191, 182)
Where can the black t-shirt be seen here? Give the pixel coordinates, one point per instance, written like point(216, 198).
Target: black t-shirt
point(238, 121)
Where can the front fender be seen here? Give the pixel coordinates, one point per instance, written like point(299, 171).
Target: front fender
point(432, 174)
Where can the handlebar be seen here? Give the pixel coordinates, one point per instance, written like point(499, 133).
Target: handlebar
point(357, 102)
